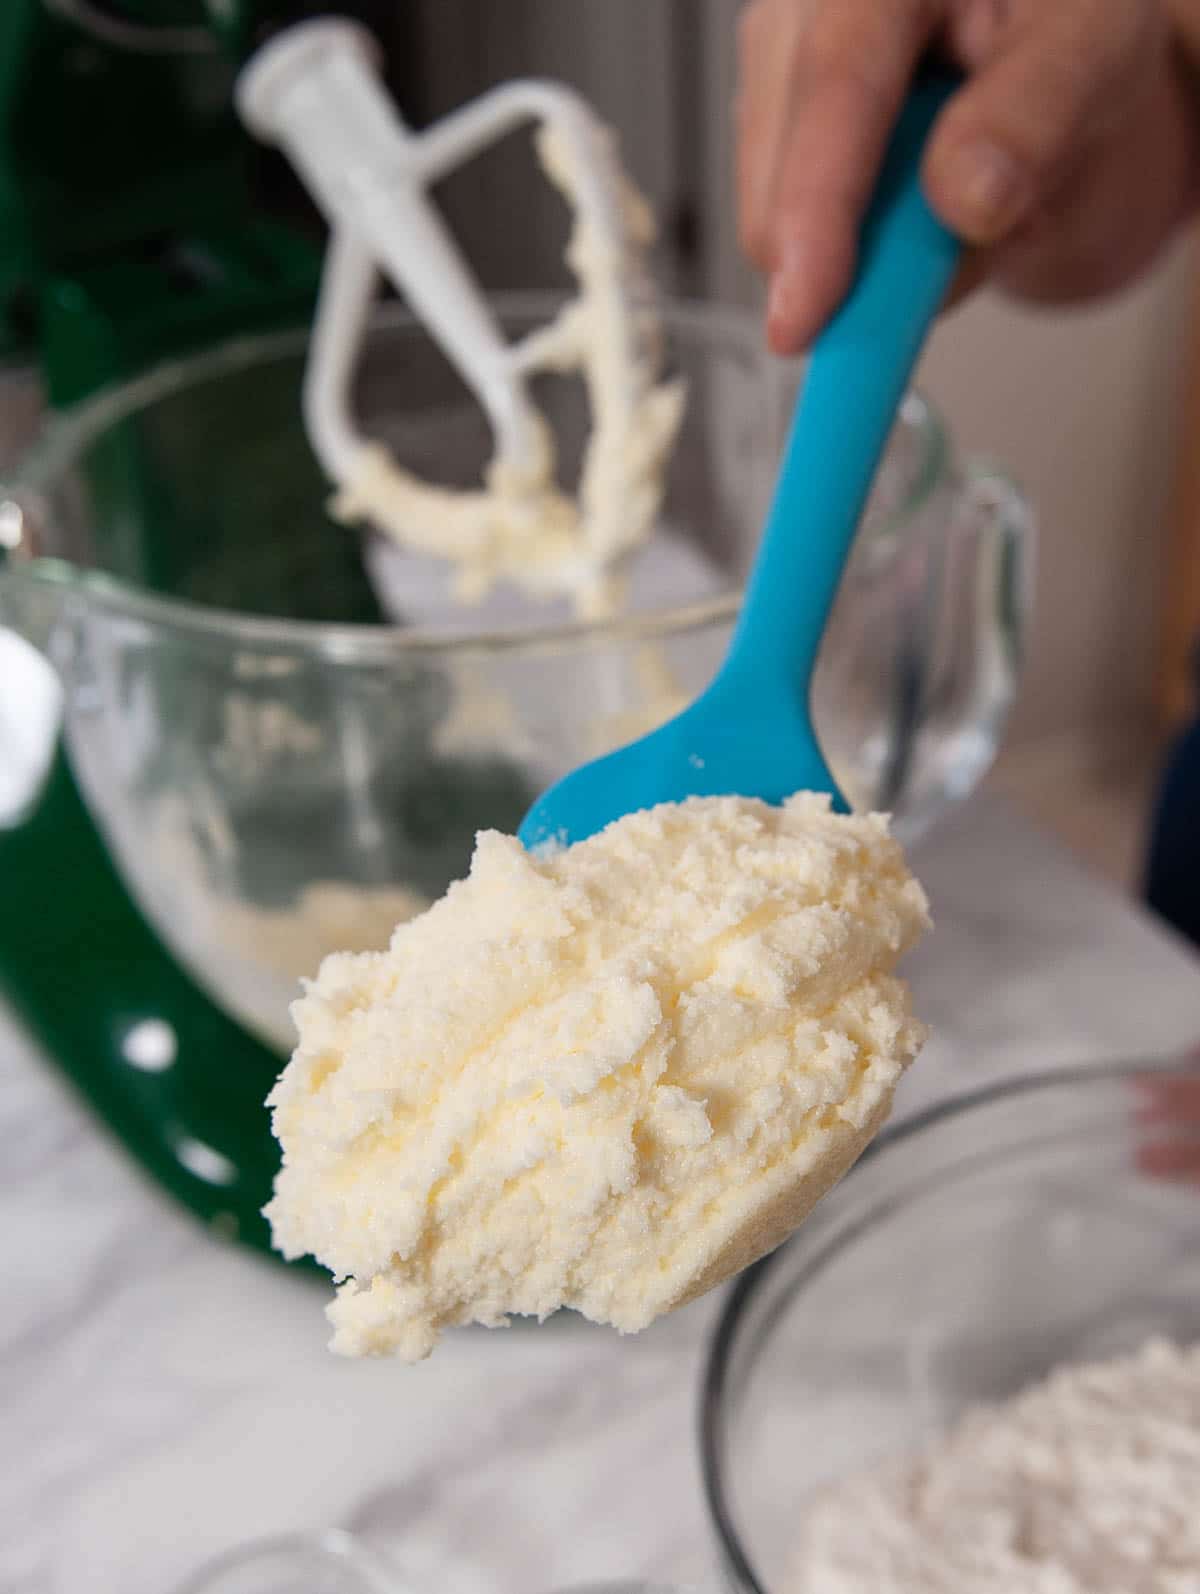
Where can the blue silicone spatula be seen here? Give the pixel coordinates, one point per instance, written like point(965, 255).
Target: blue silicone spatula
point(751, 732)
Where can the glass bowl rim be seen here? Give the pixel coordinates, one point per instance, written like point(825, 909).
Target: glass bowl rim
point(736, 1561)
point(65, 434)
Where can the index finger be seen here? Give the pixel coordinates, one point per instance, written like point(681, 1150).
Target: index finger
point(855, 61)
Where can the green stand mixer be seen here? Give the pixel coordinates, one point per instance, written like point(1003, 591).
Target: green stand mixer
point(133, 245)
point(130, 245)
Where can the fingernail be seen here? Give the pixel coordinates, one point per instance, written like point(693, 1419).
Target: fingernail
point(991, 191)
point(787, 292)
point(779, 296)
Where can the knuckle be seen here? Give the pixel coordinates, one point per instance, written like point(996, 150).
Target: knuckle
point(752, 234)
point(750, 24)
point(752, 243)
point(1099, 42)
point(830, 42)
point(1058, 110)
point(1077, 96)
point(856, 42)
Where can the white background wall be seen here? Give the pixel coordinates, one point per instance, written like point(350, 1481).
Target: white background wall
point(1082, 407)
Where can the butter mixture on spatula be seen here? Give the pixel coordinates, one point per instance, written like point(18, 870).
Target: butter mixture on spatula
point(604, 1078)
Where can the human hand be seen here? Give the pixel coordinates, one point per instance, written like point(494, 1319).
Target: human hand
point(1065, 162)
point(1168, 1118)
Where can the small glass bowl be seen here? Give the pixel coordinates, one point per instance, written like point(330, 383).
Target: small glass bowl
point(332, 1562)
point(974, 1249)
point(335, 1562)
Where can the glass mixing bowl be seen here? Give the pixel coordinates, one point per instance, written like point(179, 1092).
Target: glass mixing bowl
point(288, 734)
point(972, 1250)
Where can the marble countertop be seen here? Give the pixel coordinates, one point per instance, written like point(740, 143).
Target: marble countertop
point(164, 1398)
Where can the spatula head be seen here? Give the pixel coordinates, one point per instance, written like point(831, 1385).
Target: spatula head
point(766, 747)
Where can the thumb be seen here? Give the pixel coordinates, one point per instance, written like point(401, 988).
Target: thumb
point(1008, 139)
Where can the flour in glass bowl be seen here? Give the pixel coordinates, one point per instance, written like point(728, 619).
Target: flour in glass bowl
point(1088, 1483)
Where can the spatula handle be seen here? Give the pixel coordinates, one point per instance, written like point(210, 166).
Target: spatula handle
point(857, 376)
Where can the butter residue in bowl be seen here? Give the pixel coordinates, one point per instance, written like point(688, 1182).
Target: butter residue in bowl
point(605, 1078)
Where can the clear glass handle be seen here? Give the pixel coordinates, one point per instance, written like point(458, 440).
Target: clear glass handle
point(920, 665)
point(980, 624)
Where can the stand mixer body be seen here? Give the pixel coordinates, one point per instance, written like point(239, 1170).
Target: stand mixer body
point(128, 233)
point(128, 237)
